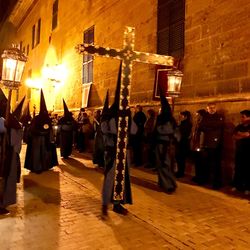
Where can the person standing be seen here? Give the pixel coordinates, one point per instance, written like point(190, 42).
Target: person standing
point(10, 146)
point(109, 131)
point(41, 150)
point(196, 148)
point(183, 146)
point(18, 136)
point(26, 121)
point(211, 133)
point(241, 179)
point(98, 153)
point(149, 129)
point(66, 126)
point(164, 132)
point(137, 143)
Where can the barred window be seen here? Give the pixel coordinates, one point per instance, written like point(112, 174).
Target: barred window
point(170, 27)
point(87, 69)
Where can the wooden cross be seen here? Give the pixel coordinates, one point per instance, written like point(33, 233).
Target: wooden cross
point(127, 55)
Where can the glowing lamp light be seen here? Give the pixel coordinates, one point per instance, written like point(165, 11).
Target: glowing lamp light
point(13, 66)
point(174, 82)
point(170, 80)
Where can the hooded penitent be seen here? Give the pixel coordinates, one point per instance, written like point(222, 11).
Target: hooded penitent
point(41, 151)
point(67, 114)
point(42, 121)
point(166, 112)
point(18, 110)
point(26, 117)
point(115, 106)
point(105, 109)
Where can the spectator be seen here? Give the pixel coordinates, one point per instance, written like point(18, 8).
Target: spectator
point(241, 180)
point(149, 138)
point(98, 154)
point(211, 135)
point(196, 147)
point(80, 135)
point(183, 146)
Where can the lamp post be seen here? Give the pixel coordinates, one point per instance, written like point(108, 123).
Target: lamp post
point(171, 79)
point(13, 66)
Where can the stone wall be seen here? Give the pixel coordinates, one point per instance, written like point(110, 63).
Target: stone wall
point(109, 19)
point(216, 60)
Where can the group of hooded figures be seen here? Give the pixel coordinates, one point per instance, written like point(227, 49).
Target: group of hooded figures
point(37, 133)
point(41, 149)
point(106, 143)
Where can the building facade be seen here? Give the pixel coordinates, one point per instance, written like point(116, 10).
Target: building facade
point(211, 39)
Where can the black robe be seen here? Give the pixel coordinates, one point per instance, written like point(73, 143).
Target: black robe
point(98, 154)
point(109, 137)
point(10, 163)
point(164, 134)
point(66, 131)
point(41, 151)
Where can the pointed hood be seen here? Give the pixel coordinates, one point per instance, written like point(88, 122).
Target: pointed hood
point(18, 110)
point(105, 110)
point(115, 106)
point(26, 117)
point(106, 103)
point(66, 110)
point(165, 107)
point(43, 109)
point(166, 112)
point(42, 122)
point(13, 122)
point(3, 103)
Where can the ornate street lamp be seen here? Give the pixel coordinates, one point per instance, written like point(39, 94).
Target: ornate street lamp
point(174, 82)
point(170, 80)
point(13, 66)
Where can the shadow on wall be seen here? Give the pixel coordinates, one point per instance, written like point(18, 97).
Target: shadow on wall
point(94, 98)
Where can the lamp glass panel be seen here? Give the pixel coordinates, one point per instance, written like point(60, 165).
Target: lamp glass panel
point(171, 83)
point(19, 71)
point(9, 68)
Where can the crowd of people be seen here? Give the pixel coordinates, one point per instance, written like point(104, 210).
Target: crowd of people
point(155, 141)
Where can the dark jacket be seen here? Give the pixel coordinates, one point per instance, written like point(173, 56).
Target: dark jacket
point(211, 130)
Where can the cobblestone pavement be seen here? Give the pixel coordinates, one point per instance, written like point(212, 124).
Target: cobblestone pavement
point(60, 209)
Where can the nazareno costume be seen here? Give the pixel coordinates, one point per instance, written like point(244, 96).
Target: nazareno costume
point(164, 131)
point(19, 136)
point(26, 121)
point(10, 146)
point(98, 154)
point(109, 131)
point(66, 127)
point(41, 151)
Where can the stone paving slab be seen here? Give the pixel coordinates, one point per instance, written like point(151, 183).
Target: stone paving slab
point(60, 209)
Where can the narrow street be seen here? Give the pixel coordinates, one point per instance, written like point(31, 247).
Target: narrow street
point(60, 209)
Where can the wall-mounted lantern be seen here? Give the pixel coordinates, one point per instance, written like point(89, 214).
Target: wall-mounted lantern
point(170, 81)
point(13, 66)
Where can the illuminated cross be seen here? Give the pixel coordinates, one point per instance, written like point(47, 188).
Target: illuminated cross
point(127, 55)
